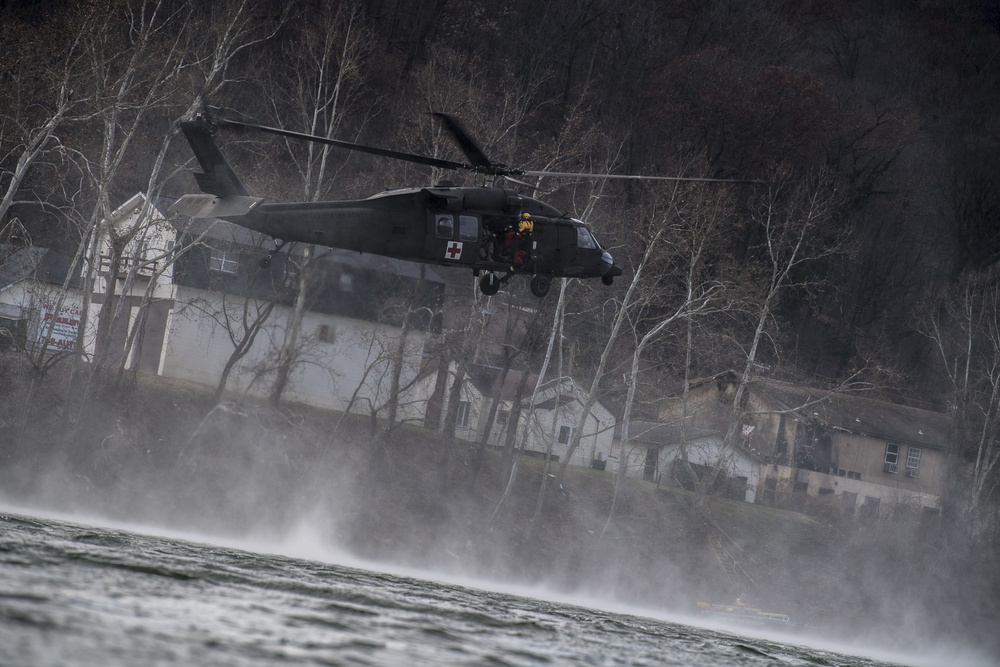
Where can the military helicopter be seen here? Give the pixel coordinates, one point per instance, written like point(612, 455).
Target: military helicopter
point(494, 231)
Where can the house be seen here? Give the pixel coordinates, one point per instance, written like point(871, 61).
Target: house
point(559, 406)
point(351, 330)
point(855, 454)
point(190, 291)
point(675, 454)
point(32, 302)
point(557, 410)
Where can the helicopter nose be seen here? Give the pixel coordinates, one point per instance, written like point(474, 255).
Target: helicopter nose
point(608, 267)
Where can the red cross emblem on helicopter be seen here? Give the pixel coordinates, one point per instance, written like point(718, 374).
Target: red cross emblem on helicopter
point(454, 250)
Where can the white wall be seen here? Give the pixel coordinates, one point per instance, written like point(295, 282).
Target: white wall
point(702, 451)
point(597, 436)
point(352, 358)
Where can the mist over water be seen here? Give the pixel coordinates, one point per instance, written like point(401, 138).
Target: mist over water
point(88, 591)
point(254, 549)
point(78, 593)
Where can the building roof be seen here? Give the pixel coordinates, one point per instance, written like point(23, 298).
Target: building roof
point(483, 377)
point(645, 433)
point(654, 434)
point(859, 414)
point(18, 263)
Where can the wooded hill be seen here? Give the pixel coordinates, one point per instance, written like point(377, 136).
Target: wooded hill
point(866, 260)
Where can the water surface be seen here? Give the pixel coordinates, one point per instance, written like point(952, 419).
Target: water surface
point(78, 594)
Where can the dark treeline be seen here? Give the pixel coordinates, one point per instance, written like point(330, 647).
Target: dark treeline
point(872, 125)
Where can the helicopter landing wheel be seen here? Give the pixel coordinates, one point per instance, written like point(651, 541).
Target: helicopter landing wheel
point(607, 280)
point(489, 284)
point(540, 286)
point(265, 261)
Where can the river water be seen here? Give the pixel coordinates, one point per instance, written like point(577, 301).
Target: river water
point(74, 593)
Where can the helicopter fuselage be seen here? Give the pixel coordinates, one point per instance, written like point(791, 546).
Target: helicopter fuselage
point(448, 226)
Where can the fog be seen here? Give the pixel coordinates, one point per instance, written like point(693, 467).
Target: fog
point(301, 541)
point(385, 507)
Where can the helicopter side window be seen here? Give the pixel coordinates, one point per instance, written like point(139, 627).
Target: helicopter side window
point(444, 226)
point(468, 228)
point(584, 239)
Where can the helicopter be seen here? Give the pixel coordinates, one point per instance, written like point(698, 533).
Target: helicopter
point(496, 232)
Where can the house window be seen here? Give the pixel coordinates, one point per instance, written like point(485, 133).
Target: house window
point(462, 419)
point(326, 334)
point(565, 434)
point(223, 261)
point(891, 457)
point(13, 333)
point(503, 417)
point(912, 461)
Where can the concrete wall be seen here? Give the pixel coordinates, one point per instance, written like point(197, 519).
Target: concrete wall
point(788, 480)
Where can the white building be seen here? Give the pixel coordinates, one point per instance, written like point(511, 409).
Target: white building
point(657, 452)
point(558, 407)
point(190, 292)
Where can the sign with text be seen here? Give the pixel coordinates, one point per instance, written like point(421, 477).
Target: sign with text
point(59, 330)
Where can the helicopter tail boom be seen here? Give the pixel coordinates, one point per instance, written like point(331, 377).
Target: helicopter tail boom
point(210, 206)
point(217, 176)
point(225, 195)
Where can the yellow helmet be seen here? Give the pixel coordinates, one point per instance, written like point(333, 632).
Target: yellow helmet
point(526, 225)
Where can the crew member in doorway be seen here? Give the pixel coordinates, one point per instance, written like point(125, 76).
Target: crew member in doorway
point(488, 249)
point(518, 242)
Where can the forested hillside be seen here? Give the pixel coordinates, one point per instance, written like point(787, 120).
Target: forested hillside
point(864, 259)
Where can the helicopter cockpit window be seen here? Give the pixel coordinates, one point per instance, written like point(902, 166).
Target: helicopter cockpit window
point(444, 226)
point(584, 239)
point(468, 228)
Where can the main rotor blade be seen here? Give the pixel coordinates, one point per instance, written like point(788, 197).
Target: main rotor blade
point(634, 177)
point(465, 141)
point(349, 145)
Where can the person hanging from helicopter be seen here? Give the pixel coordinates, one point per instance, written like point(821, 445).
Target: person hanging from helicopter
point(526, 225)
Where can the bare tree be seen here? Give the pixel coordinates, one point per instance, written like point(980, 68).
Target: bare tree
point(134, 63)
point(41, 91)
point(790, 225)
point(682, 223)
point(515, 465)
point(965, 330)
point(325, 65)
point(690, 236)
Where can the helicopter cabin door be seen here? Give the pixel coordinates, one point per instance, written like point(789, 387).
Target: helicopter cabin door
point(453, 238)
point(553, 246)
point(565, 253)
